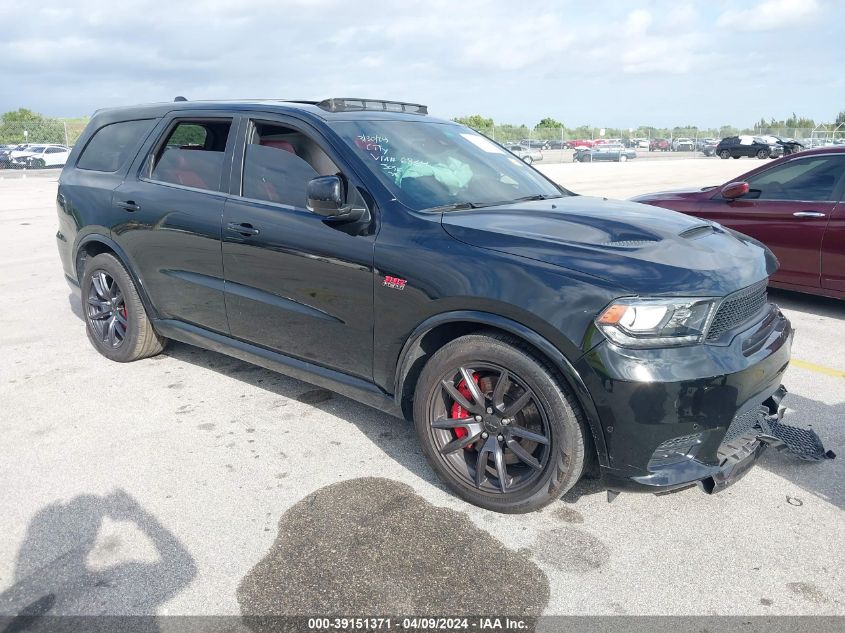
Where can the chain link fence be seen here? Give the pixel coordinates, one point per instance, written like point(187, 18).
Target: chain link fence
point(559, 144)
point(41, 130)
point(550, 145)
point(28, 140)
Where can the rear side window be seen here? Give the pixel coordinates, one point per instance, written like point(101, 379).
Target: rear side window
point(111, 145)
point(192, 154)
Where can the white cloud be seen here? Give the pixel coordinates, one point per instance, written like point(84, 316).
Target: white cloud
point(618, 63)
point(770, 15)
point(668, 44)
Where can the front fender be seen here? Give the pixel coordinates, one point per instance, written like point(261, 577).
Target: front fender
point(558, 359)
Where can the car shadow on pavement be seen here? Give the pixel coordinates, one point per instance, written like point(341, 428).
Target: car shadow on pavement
point(76, 306)
point(394, 436)
point(813, 304)
point(95, 555)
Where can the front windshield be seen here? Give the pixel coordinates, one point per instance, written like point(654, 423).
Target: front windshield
point(428, 165)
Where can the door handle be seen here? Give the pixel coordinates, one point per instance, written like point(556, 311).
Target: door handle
point(244, 228)
point(809, 214)
point(127, 205)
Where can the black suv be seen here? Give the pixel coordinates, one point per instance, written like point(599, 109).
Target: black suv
point(412, 264)
point(739, 146)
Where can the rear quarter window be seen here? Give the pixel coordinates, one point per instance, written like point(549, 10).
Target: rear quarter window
point(111, 145)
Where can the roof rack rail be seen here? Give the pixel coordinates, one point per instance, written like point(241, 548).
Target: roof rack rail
point(346, 104)
point(180, 98)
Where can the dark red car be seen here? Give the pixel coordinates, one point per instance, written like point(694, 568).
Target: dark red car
point(659, 145)
point(793, 205)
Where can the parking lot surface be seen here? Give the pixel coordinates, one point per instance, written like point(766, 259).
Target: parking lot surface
point(193, 483)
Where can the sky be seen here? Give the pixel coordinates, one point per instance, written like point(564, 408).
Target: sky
point(619, 63)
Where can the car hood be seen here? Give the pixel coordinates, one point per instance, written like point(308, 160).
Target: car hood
point(640, 248)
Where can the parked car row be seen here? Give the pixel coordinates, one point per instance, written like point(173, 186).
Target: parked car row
point(33, 156)
point(706, 145)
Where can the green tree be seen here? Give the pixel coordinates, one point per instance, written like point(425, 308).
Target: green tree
point(475, 121)
point(840, 118)
point(582, 132)
point(548, 123)
point(38, 128)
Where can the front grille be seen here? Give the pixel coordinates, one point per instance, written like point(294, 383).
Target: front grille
point(738, 308)
point(742, 430)
point(743, 424)
point(674, 450)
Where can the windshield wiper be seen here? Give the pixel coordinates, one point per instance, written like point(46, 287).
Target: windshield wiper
point(457, 206)
point(539, 196)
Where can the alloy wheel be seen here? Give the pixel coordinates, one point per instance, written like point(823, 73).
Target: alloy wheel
point(489, 428)
point(106, 309)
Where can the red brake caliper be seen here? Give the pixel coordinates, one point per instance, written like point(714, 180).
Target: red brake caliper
point(458, 412)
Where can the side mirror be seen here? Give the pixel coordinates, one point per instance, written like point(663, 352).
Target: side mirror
point(734, 190)
point(325, 196)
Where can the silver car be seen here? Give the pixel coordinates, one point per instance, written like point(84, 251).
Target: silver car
point(528, 154)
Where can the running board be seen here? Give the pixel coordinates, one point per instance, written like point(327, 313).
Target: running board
point(344, 384)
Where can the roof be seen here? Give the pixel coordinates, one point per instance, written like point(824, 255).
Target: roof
point(829, 149)
point(309, 108)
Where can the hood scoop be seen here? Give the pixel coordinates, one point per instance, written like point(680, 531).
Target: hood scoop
point(696, 232)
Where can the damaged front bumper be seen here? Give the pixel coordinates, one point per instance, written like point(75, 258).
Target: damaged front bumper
point(746, 439)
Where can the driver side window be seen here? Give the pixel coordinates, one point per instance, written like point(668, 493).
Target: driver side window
point(812, 179)
point(278, 164)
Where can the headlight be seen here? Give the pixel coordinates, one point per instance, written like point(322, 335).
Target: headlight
point(656, 322)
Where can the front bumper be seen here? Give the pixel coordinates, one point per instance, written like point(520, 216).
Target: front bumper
point(666, 413)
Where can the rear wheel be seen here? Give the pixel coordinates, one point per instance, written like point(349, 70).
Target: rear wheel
point(762, 154)
point(497, 426)
point(115, 318)
point(528, 159)
point(622, 158)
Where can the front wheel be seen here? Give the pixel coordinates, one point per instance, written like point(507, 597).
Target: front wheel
point(622, 158)
point(115, 319)
point(528, 160)
point(497, 426)
point(724, 154)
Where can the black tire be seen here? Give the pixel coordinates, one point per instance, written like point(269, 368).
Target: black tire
point(762, 154)
point(528, 160)
point(556, 450)
point(724, 154)
point(737, 157)
point(111, 305)
point(39, 163)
